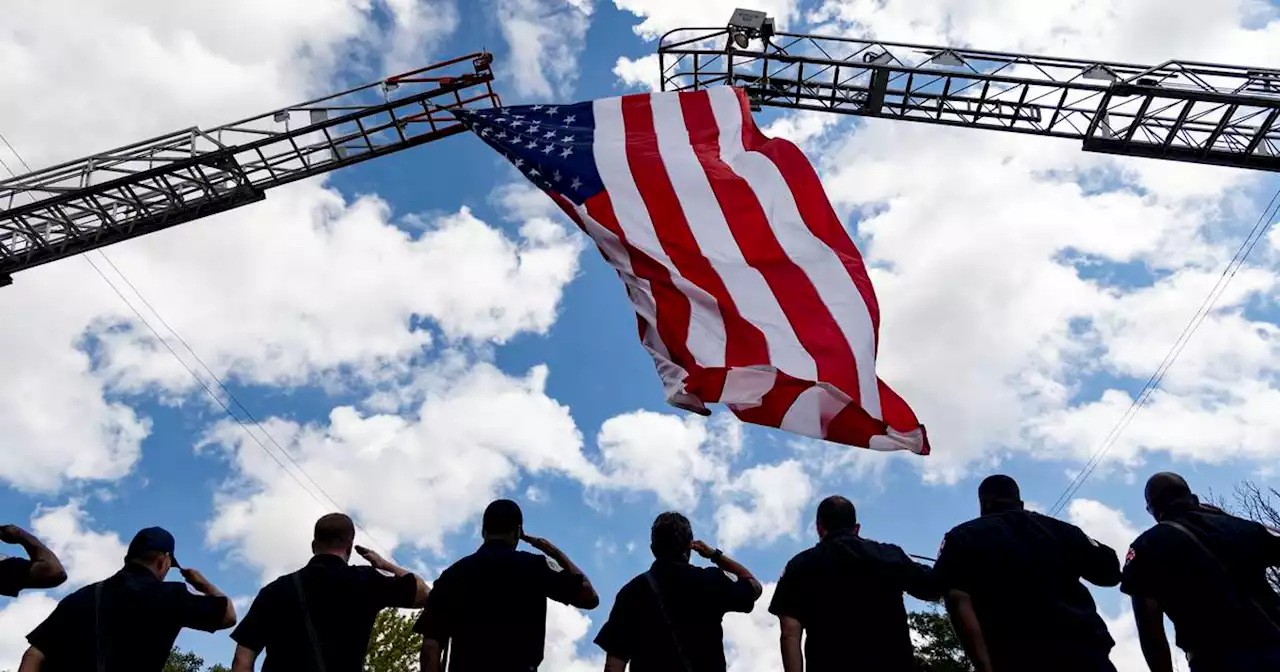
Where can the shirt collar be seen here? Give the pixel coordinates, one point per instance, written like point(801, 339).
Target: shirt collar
point(326, 560)
point(138, 572)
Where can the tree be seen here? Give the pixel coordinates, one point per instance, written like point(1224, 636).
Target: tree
point(941, 650)
point(394, 646)
point(183, 661)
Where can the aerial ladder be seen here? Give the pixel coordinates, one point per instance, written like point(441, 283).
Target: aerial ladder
point(1180, 111)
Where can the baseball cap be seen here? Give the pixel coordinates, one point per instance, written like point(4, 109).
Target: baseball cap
point(152, 539)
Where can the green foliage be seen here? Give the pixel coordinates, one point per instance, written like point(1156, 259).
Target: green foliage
point(941, 650)
point(183, 661)
point(394, 646)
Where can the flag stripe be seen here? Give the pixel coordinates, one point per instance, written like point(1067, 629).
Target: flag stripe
point(745, 344)
point(853, 345)
point(815, 209)
point(772, 247)
point(699, 330)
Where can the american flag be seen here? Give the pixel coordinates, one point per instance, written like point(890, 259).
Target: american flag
point(747, 289)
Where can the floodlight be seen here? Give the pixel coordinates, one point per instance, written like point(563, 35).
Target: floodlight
point(281, 117)
point(1100, 72)
point(741, 39)
point(948, 58)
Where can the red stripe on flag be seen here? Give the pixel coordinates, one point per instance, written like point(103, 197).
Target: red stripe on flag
point(671, 305)
point(815, 328)
point(814, 206)
point(745, 343)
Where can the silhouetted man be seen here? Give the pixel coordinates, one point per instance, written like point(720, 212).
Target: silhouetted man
point(490, 608)
point(1014, 591)
point(325, 611)
point(668, 619)
point(128, 622)
point(40, 569)
point(846, 592)
point(1206, 570)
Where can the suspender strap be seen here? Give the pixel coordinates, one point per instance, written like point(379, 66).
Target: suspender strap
point(1191, 535)
point(662, 609)
point(306, 619)
point(97, 628)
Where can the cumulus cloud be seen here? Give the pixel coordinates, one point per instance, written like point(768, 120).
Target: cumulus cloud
point(1107, 525)
point(672, 456)
point(642, 73)
point(773, 497)
point(87, 555)
point(545, 38)
point(409, 478)
point(660, 16)
point(17, 618)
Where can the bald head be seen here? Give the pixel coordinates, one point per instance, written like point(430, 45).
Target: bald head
point(1166, 490)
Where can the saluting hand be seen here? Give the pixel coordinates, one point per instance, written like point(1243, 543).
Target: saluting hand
point(537, 542)
point(197, 580)
point(701, 548)
point(11, 534)
point(375, 560)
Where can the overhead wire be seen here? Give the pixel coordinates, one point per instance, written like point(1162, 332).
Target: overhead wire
point(204, 385)
point(1260, 228)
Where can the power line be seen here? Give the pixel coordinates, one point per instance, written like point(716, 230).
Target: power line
point(1259, 229)
point(230, 395)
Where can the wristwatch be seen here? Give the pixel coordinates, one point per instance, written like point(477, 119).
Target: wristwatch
point(716, 555)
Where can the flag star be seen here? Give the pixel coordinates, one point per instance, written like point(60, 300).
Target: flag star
point(535, 108)
point(576, 184)
point(549, 148)
point(567, 138)
point(553, 111)
point(533, 128)
point(556, 176)
point(549, 134)
point(519, 162)
point(534, 172)
point(569, 119)
point(486, 132)
point(517, 124)
point(501, 136)
point(533, 144)
point(567, 151)
point(517, 116)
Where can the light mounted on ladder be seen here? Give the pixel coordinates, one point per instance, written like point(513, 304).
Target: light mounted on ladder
point(746, 25)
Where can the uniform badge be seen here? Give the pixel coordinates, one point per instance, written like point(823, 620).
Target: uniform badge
point(1128, 557)
point(552, 564)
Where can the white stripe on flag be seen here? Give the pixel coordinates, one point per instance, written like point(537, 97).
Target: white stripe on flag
point(818, 261)
point(752, 295)
point(706, 340)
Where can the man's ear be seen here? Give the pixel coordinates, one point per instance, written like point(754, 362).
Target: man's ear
point(857, 528)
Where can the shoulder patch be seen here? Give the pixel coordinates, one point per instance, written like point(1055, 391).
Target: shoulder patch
point(1091, 540)
point(1128, 557)
point(552, 564)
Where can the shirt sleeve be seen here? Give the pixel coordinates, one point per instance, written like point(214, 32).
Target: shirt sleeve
point(390, 591)
point(14, 573)
point(199, 612)
point(1137, 579)
point(789, 595)
point(617, 637)
point(730, 593)
point(951, 571)
point(557, 584)
point(52, 633)
point(252, 633)
point(914, 578)
point(1095, 561)
point(436, 621)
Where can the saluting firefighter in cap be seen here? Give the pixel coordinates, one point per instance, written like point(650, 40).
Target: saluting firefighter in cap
point(129, 621)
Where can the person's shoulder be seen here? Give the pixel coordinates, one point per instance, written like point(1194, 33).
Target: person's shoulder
point(1153, 537)
point(969, 527)
point(535, 562)
point(806, 557)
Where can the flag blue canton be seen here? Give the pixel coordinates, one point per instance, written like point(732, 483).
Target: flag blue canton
point(550, 144)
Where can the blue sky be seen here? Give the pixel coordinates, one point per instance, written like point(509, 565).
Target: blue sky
point(1027, 289)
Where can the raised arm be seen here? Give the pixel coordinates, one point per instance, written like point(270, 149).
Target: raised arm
point(199, 614)
point(382, 564)
point(1098, 562)
point(583, 596)
point(728, 564)
point(46, 570)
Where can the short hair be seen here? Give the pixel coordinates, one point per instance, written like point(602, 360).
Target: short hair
point(502, 516)
point(335, 530)
point(1166, 488)
point(671, 535)
point(999, 488)
point(144, 557)
point(837, 514)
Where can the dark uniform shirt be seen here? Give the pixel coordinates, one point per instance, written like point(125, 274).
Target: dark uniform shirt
point(847, 593)
point(491, 607)
point(696, 600)
point(13, 575)
point(1023, 572)
point(343, 601)
point(139, 618)
point(1208, 602)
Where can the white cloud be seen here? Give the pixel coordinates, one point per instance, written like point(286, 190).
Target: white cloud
point(642, 73)
point(17, 618)
point(474, 431)
point(775, 494)
point(751, 640)
point(1107, 525)
point(545, 38)
point(673, 456)
point(417, 29)
point(87, 555)
point(661, 16)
